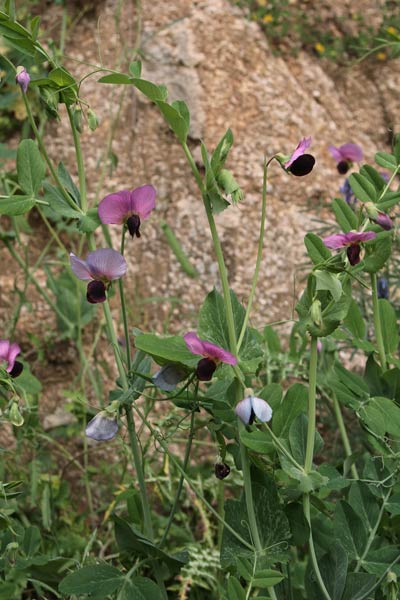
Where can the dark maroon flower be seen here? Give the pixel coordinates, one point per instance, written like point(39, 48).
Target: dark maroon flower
point(130, 207)
point(212, 355)
point(8, 354)
point(221, 470)
point(345, 155)
point(299, 163)
point(100, 267)
point(351, 241)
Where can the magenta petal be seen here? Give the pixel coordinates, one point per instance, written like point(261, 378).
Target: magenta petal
point(219, 353)
point(243, 410)
point(194, 343)
point(355, 237)
point(106, 263)
point(300, 149)
point(261, 409)
point(4, 350)
point(336, 241)
point(143, 200)
point(115, 208)
point(80, 267)
point(336, 153)
point(351, 152)
point(12, 355)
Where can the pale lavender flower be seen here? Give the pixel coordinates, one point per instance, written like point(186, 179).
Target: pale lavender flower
point(168, 377)
point(350, 240)
point(348, 193)
point(102, 427)
point(252, 407)
point(100, 268)
point(212, 354)
point(130, 207)
point(345, 155)
point(8, 354)
point(299, 163)
point(22, 78)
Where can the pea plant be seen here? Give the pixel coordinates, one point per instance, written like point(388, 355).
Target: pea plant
point(284, 517)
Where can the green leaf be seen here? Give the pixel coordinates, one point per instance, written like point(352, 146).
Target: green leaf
point(66, 84)
point(267, 578)
point(178, 124)
point(151, 90)
point(354, 321)
point(166, 350)
point(31, 168)
point(89, 222)
point(362, 188)
point(333, 568)
point(235, 590)
point(298, 438)
point(382, 416)
point(16, 205)
point(330, 282)
point(385, 160)
point(68, 183)
point(316, 249)
point(58, 204)
point(272, 339)
point(374, 177)
point(272, 393)
point(135, 68)
point(116, 78)
point(97, 579)
point(381, 251)
point(349, 530)
point(257, 441)
point(389, 326)
point(345, 215)
point(140, 588)
point(221, 152)
point(364, 503)
point(183, 110)
point(294, 403)
point(357, 585)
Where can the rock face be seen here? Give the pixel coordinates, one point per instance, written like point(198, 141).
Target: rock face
point(221, 65)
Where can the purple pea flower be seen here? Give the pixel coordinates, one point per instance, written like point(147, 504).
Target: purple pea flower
point(22, 78)
point(8, 354)
point(102, 427)
point(128, 207)
point(100, 268)
point(383, 288)
point(168, 377)
point(351, 241)
point(348, 193)
point(345, 155)
point(212, 355)
point(299, 163)
point(252, 407)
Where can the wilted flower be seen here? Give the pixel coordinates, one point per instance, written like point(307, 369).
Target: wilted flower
point(8, 354)
point(378, 217)
point(100, 267)
point(351, 241)
point(128, 207)
point(345, 155)
point(168, 377)
point(383, 288)
point(212, 354)
point(221, 470)
point(22, 78)
point(102, 427)
point(252, 407)
point(348, 193)
point(299, 163)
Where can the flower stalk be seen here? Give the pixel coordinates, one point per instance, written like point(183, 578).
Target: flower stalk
point(377, 323)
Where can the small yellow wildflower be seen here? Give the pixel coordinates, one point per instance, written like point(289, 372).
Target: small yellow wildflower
point(381, 55)
point(262, 2)
point(268, 18)
point(320, 48)
point(392, 30)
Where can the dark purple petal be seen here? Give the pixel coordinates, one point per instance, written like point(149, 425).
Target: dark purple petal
point(384, 221)
point(133, 224)
point(221, 470)
point(353, 254)
point(23, 78)
point(106, 263)
point(343, 166)
point(80, 267)
point(102, 427)
point(336, 241)
point(300, 149)
point(17, 369)
point(383, 288)
point(302, 165)
point(96, 292)
point(168, 377)
point(143, 200)
point(115, 208)
point(205, 369)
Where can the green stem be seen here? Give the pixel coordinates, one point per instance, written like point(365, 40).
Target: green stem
point(218, 251)
point(123, 308)
point(307, 514)
point(282, 448)
point(46, 157)
point(343, 433)
point(79, 160)
point(372, 533)
point(377, 322)
point(181, 480)
point(259, 257)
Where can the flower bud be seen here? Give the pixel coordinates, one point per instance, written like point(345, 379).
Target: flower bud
point(22, 78)
point(78, 119)
point(316, 313)
point(15, 416)
point(93, 120)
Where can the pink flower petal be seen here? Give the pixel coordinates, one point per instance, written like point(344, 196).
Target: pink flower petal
point(336, 241)
point(299, 151)
point(79, 267)
point(336, 153)
point(115, 208)
point(143, 200)
point(194, 343)
point(106, 263)
point(219, 353)
point(351, 152)
point(355, 237)
point(8, 354)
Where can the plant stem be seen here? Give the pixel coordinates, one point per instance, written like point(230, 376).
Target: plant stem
point(312, 387)
point(218, 251)
point(282, 448)
point(372, 533)
point(79, 160)
point(343, 433)
point(259, 257)
point(181, 480)
point(123, 308)
point(377, 323)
